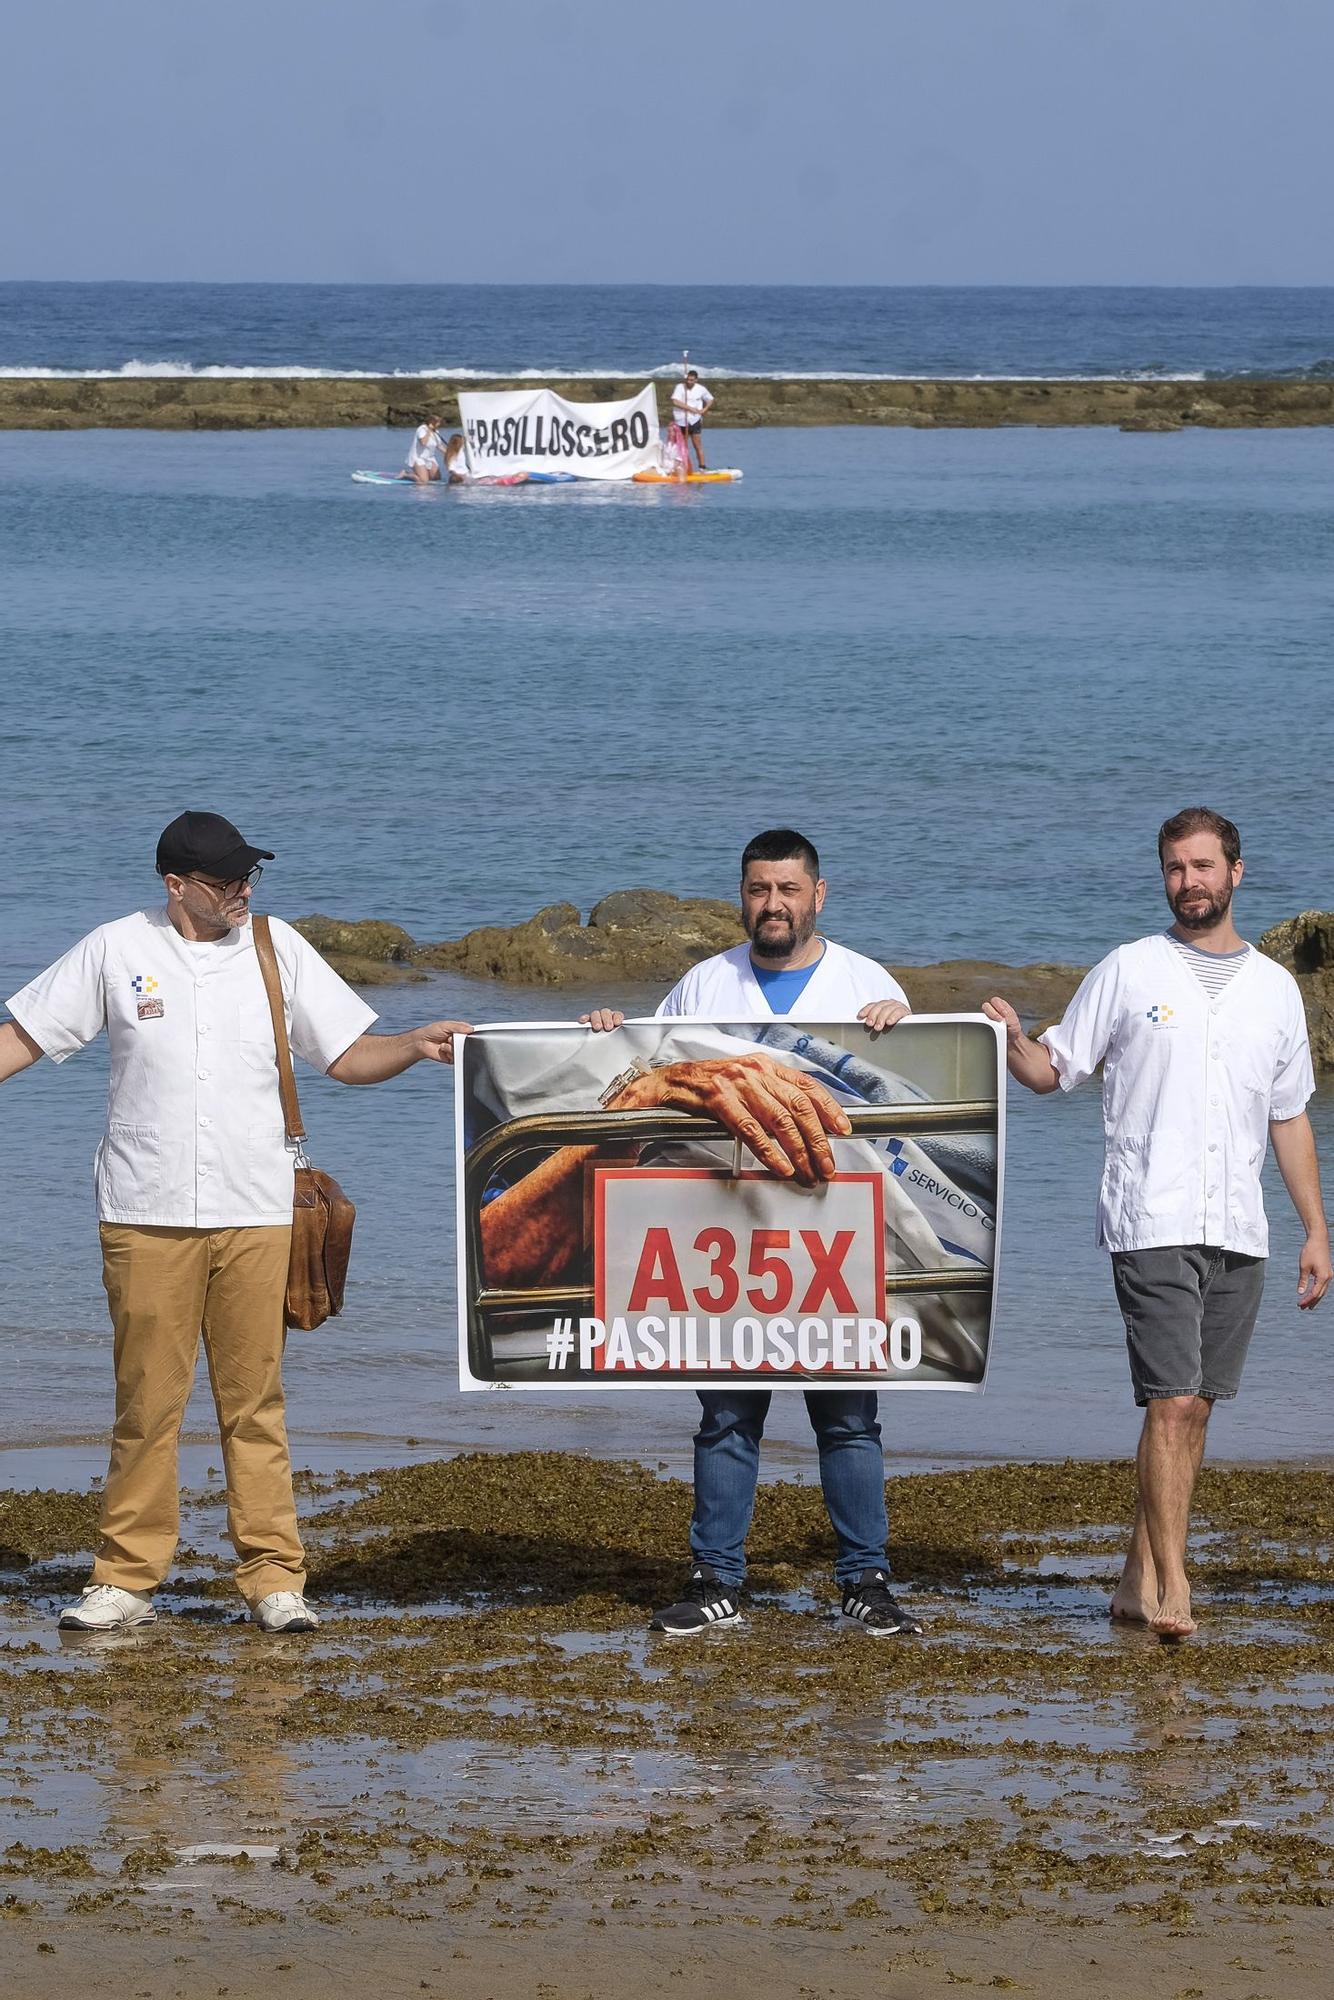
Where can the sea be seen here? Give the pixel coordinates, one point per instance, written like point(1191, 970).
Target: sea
point(787, 330)
point(978, 668)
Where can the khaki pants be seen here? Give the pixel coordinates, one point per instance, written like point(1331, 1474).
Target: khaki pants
point(165, 1287)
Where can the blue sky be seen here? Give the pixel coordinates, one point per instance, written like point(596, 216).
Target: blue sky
point(855, 141)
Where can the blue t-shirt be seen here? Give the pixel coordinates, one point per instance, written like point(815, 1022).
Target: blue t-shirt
point(782, 990)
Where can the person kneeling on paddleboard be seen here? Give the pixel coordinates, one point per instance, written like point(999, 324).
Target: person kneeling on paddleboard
point(422, 461)
point(690, 399)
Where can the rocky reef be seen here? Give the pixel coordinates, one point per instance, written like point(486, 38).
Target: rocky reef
point(640, 935)
point(632, 935)
point(194, 402)
point(1305, 946)
point(366, 952)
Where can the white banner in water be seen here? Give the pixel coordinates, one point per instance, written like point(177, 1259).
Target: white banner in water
point(535, 430)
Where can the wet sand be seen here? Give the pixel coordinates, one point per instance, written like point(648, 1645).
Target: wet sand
point(483, 1777)
point(321, 401)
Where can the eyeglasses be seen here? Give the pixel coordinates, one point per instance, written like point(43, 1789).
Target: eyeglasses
point(234, 887)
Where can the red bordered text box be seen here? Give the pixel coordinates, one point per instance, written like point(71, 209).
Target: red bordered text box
point(685, 1202)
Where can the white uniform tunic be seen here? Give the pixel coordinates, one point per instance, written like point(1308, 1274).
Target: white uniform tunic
point(725, 988)
point(689, 405)
point(194, 1136)
point(1189, 1087)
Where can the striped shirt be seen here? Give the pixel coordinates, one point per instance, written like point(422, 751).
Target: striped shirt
point(1213, 969)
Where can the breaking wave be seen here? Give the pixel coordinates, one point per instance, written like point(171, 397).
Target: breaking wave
point(297, 372)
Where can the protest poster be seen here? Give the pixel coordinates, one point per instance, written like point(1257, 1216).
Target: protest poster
point(615, 1231)
point(537, 431)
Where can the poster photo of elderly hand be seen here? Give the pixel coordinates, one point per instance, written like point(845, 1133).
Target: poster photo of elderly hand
point(683, 1202)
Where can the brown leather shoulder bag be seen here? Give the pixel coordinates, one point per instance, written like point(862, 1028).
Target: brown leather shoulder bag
point(322, 1215)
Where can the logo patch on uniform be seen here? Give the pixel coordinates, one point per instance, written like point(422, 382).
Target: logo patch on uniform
point(144, 984)
point(1160, 1016)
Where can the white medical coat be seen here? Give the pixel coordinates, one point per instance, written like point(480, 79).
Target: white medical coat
point(1189, 1087)
point(194, 1136)
point(725, 987)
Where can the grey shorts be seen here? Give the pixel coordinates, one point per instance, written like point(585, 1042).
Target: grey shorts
point(1190, 1312)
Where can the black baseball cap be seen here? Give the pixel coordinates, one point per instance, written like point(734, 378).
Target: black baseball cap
point(208, 842)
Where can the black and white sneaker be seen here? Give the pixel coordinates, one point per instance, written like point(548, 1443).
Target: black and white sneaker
point(707, 1602)
point(868, 1601)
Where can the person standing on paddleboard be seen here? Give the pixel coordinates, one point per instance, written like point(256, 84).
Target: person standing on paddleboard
point(423, 464)
point(690, 399)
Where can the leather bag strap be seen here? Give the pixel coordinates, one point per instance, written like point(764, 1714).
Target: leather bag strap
point(268, 965)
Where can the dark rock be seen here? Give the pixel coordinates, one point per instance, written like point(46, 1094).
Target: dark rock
point(1160, 420)
point(635, 934)
point(1304, 946)
point(369, 953)
point(1038, 993)
point(369, 938)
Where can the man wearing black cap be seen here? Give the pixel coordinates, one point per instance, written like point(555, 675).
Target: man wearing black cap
point(194, 1194)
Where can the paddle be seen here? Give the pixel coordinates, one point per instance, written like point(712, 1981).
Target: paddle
point(677, 442)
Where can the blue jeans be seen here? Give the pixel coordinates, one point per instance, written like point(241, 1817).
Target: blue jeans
point(727, 1469)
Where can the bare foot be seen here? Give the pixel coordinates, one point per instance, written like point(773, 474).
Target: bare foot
point(1136, 1596)
point(1172, 1619)
point(1132, 1606)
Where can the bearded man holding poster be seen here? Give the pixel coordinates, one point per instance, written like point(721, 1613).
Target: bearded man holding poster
point(786, 969)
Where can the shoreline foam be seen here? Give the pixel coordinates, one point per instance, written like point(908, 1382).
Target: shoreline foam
point(298, 371)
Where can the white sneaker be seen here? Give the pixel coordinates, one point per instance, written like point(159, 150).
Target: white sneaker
point(105, 1607)
point(284, 1611)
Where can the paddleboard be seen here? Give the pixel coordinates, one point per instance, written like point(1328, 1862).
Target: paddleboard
point(555, 479)
point(499, 479)
point(690, 479)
